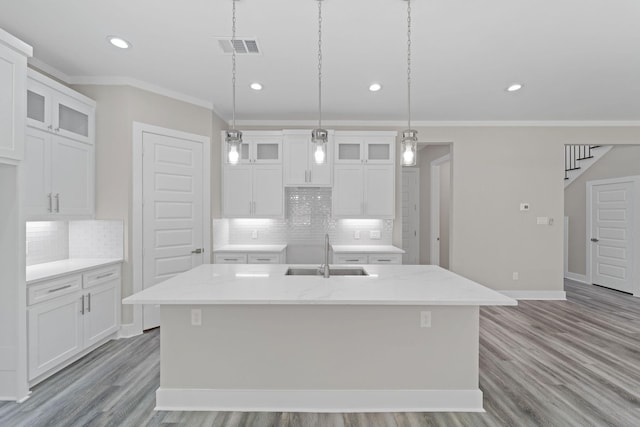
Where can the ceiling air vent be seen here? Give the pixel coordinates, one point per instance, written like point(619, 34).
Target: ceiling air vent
point(241, 46)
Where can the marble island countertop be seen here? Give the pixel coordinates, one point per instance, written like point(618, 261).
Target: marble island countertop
point(222, 284)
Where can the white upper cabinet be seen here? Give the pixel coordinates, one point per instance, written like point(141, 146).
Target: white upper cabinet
point(364, 175)
point(253, 188)
point(54, 108)
point(257, 147)
point(365, 147)
point(59, 177)
point(300, 168)
point(13, 81)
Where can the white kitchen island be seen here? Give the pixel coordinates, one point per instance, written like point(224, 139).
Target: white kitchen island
point(403, 338)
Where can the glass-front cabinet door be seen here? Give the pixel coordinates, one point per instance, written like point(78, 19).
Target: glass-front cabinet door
point(39, 106)
point(267, 149)
point(379, 150)
point(348, 149)
point(73, 119)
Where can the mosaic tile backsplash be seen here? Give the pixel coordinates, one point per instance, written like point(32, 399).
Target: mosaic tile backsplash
point(307, 220)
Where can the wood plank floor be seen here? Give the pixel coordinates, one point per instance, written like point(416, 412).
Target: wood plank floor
point(554, 363)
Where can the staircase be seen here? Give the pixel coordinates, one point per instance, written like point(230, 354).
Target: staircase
point(579, 158)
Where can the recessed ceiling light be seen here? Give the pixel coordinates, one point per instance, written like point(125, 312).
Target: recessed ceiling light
point(118, 42)
point(514, 87)
point(256, 86)
point(375, 87)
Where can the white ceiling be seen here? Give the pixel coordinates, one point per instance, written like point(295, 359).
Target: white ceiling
point(578, 59)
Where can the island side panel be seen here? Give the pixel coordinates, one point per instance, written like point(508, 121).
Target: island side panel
point(314, 347)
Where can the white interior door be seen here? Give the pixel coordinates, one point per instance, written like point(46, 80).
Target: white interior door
point(411, 215)
point(172, 190)
point(612, 235)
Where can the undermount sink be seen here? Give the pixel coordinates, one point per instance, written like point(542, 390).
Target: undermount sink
point(353, 271)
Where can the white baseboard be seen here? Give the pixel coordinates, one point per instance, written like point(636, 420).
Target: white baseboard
point(129, 330)
point(535, 295)
point(576, 277)
point(172, 399)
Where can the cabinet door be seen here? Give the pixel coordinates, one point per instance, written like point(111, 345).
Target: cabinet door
point(267, 149)
point(296, 157)
point(236, 191)
point(72, 118)
point(72, 174)
point(101, 312)
point(268, 192)
point(348, 150)
point(379, 196)
point(37, 176)
point(348, 190)
point(380, 150)
point(39, 102)
point(55, 333)
point(13, 76)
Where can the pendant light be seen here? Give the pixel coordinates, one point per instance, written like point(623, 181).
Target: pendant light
point(233, 137)
point(409, 136)
point(319, 136)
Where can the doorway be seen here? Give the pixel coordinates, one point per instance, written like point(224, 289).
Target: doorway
point(411, 215)
point(440, 210)
point(171, 209)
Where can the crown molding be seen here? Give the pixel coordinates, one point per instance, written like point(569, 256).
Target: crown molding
point(452, 123)
point(140, 84)
point(46, 68)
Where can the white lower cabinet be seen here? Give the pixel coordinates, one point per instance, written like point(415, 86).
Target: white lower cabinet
point(249, 258)
point(361, 258)
point(68, 315)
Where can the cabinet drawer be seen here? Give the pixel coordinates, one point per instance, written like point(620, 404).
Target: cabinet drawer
point(385, 259)
point(99, 276)
point(349, 259)
point(264, 258)
point(53, 289)
point(230, 258)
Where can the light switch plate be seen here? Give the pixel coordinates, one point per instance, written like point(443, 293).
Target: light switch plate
point(374, 234)
point(356, 234)
point(542, 220)
point(524, 207)
point(254, 234)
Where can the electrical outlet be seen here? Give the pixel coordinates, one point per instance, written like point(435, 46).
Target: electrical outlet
point(425, 319)
point(374, 234)
point(516, 275)
point(356, 234)
point(542, 220)
point(196, 317)
point(254, 234)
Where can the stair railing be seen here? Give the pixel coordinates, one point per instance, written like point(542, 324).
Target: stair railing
point(573, 154)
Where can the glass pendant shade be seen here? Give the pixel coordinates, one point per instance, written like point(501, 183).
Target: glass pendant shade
point(233, 140)
point(319, 138)
point(409, 147)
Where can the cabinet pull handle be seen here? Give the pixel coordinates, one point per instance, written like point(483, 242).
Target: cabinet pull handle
point(50, 203)
point(88, 303)
point(57, 202)
point(254, 208)
point(250, 208)
point(306, 176)
point(102, 276)
point(383, 260)
point(263, 259)
point(231, 259)
point(82, 308)
point(310, 177)
point(352, 260)
point(58, 289)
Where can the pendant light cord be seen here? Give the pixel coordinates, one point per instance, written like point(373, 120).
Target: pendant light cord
point(319, 64)
point(409, 62)
point(233, 62)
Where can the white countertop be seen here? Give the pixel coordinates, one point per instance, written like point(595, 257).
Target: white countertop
point(366, 249)
point(250, 248)
point(55, 269)
point(267, 284)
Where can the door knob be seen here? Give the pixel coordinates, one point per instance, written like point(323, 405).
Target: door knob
point(197, 251)
point(593, 239)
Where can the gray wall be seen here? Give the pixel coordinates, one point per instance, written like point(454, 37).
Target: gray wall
point(620, 161)
point(117, 108)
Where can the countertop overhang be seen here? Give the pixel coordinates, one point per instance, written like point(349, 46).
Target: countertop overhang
point(262, 284)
